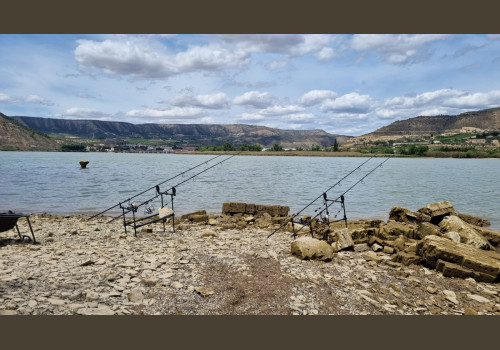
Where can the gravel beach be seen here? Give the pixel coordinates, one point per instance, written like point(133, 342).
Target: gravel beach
point(92, 268)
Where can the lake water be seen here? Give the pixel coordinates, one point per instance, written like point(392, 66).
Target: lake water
point(36, 182)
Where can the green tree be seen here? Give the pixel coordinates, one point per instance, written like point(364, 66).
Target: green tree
point(335, 146)
point(277, 147)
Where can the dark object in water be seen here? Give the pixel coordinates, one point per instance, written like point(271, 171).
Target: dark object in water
point(83, 164)
point(9, 221)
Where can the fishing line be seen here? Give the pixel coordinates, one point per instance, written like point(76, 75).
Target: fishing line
point(337, 183)
point(180, 174)
point(326, 207)
point(180, 183)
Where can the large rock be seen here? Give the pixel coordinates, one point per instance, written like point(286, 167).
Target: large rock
point(407, 216)
point(485, 267)
point(393, 229)
point(426, 229)
point(467, 234)
point(343, 240)
point(473, 220)
point(437, 211)
point(308, 248)
point(491, 235)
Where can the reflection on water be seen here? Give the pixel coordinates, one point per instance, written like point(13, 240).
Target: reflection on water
point(38, 182)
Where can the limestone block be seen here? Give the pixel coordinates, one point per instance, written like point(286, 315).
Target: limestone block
point(308, 248)
point(343, 239)
point(473, 220)
point(233, 207)
point(407, 216)
point(467, 234)
point(426, 229)
point(485, 267)
point(491, 235)
point(436, 211)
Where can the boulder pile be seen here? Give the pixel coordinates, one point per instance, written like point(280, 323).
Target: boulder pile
point(456, 244)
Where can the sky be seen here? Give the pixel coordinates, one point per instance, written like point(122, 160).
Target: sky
point(343, 84)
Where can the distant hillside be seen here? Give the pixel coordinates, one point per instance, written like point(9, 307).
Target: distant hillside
point(15, 136)
point(484, 120)
point(185, 134)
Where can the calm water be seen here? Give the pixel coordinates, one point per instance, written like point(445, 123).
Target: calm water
point(35, 182)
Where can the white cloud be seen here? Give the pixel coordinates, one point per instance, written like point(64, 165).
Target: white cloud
point(280, 110)
point(314, 97)
point(494, 36)
point(477, 100)
point(277, 64)
point(286, 44)
point(4, 98)
point(38, 100)
point(84, 113)
point(352, 103)
point(397, 48)
point(181, 113)
point(300, 118)
point(325, 54)
point(144, 58)
point(214, 101)
point(250, 117)
point(254, 99)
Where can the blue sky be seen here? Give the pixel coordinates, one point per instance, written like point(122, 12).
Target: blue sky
point(343, 84)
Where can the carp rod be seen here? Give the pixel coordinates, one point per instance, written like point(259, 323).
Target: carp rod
point(161, 183)
point(173, 188)
point(314, 200)
point(333, 201)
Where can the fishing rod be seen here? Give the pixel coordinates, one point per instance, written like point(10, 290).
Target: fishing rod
point(175, 186)
point(161, 183)
point(339, 197)
point(335, 184)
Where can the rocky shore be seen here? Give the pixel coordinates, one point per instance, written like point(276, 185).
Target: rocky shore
point(413, 264)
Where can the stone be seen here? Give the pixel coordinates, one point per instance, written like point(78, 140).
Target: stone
point(308, 248)
point(453, 270)
point(452, 236)
point(176, 285)
point(233, 207)
point(393, 229)
point(491, 235)
point(407, 216)
point(377, 247)
point(478, 298)
point(208, 233)
point(96, 311)
point(473, 220)
point(371, 256)
point(213, 222)
point(343, 239)
point(204, 291)
point(467, 234)
point(426, 229)
point(406, 258)
point(361, 247)
point(434, 248)
point(399, 243)
point(388, 250)
point(135, 295)
point(437, 211)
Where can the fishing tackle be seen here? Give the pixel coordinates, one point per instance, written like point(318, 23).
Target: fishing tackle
point(314, 200)
point(341, 198)
point(119, 205)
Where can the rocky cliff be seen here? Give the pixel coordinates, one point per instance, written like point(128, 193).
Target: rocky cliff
point(15, 136)
point(188, 134)
point(488, 119)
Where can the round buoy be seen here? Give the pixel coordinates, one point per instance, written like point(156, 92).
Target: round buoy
point(83, 163)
